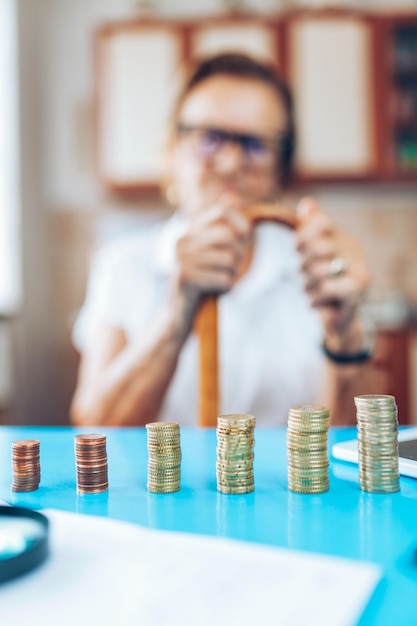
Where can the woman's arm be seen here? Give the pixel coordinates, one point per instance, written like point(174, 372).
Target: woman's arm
point(123, 383)
point(344, 381)
point(336, 278)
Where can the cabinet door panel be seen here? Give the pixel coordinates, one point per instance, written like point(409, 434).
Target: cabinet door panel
point(332, 79)
point(138, 74)
point(254, 39)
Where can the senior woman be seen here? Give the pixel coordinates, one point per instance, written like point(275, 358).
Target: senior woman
point(290, 329)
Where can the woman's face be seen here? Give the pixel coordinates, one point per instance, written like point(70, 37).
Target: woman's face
point(227, 143)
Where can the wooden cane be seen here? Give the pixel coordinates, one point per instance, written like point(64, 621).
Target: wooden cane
point(206, 324)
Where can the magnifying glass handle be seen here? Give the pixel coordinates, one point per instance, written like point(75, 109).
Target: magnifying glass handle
point(206, 324)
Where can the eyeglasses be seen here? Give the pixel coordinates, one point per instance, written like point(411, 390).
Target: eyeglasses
point(257, 151)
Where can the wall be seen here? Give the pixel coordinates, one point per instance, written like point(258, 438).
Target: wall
point(32, 366)
point(63, 206)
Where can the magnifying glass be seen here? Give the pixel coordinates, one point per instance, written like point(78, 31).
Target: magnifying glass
point(23, 541)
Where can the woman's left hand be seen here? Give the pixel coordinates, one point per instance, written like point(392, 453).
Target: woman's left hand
point(336, 275)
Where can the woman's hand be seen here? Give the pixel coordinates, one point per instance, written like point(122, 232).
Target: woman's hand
point(211, 254)
point(336, 276)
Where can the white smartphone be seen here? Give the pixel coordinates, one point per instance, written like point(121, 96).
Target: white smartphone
point(407, 443)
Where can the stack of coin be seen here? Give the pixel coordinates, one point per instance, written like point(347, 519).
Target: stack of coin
point(26, 465)
point(308, 461)
point(378, 443)
point(235, 453)
point(91, 463)
point(164, 457)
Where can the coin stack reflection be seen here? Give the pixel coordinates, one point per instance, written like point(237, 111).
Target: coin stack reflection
point(26, 465)
point(91, 463)
point(164, 457)
point(308, 461)
point(235, 453)
point(377, 421)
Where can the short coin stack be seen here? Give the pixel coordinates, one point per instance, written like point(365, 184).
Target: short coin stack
point(235, 453)
point(91, 463)
point(164, 457)
point(308, 461)
point(26, 465)
point(378, 443)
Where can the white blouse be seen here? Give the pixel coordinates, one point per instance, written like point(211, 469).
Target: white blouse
point(270, 355)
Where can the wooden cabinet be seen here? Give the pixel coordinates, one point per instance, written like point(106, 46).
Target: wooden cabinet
point(330, 69)
point(354, 77)
point(137, 67)
point(252, 36)
point(396, 84)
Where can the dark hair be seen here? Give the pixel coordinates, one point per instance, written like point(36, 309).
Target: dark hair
point(243, 66)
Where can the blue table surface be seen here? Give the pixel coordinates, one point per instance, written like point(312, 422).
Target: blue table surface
point(344, 521)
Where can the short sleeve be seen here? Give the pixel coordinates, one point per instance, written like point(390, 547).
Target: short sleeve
point(104, 298)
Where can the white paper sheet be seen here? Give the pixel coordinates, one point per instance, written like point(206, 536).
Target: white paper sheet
point(105, 572)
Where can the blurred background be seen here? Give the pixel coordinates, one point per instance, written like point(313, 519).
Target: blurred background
point(86, 88)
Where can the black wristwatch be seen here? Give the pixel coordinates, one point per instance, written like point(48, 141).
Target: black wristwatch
point(363, 355)
point(355, 358)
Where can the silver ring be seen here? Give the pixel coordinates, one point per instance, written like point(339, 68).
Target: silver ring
point(336, 267)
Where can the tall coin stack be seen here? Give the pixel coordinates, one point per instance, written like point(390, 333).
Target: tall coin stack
point(26, 465)
point(235, 453)
point(91, 463)
point(164, 457)
point(377, 421)
point(308, 460)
